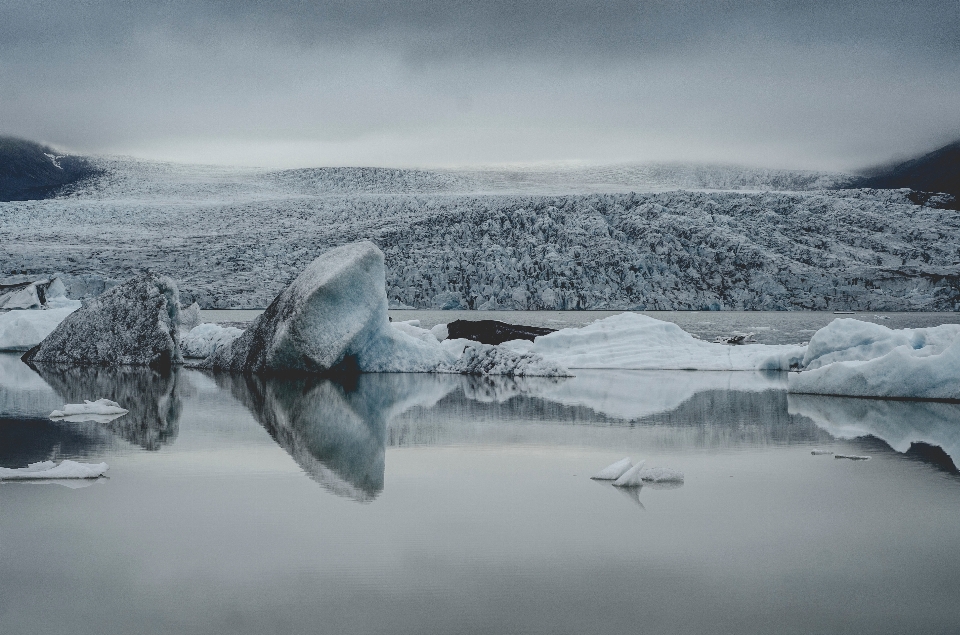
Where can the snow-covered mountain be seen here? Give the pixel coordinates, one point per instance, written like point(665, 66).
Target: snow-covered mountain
point(655, 237)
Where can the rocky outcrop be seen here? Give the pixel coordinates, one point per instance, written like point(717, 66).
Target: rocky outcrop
point(136, 323)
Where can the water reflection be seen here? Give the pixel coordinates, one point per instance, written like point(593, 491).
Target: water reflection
point(152, 397)
point(898, 423)
point(335, 430)
point(25, 441)
point(671, 408)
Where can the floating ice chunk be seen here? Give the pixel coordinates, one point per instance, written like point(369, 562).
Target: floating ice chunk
point(613, 471)
point(661, 475)
point(632, 477)
point(440, 332)
point(206, 339)
point(634, 341)
point(486, 359)
point(817, 452)
point(98, 407)
point(50, 470)
point(23, 329)
point(852, 457)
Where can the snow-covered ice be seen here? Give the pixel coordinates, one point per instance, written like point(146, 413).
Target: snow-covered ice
point(475, 358)
point(206, 339)
point(50, 470)
point(861, 359)
point(635, 341)
point(190, 317)
point(613, 471)
point(90, 411)
point(632, 477)
point(661, 475)
point(847, 339)
point(21, 330)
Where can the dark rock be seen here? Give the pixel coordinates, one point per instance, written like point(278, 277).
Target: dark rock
point(135, 323)
point(493, 331)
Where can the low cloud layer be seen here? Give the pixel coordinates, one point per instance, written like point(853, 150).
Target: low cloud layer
point(825, 85)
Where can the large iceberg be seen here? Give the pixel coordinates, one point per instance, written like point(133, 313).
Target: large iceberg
point(333, 316)
point(135, 323)
point(862, 359)
point(635, 341)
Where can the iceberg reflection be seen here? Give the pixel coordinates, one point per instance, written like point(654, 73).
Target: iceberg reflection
point(898, 423)
point(336, 431)
point(153, 398)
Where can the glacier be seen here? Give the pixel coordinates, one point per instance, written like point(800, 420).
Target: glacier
point(640, 239)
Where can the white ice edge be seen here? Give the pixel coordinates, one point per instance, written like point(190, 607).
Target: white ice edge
point(46, 470)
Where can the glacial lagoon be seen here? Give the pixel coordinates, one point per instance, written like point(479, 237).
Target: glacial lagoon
point(451, 504)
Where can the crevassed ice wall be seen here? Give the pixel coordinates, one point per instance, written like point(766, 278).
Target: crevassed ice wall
point(848, 249)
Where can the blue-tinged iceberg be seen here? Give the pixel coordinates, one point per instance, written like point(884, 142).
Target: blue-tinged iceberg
point(861, 359)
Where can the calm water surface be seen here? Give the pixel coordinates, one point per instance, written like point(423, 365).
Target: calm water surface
point(768, 327)
point(448, 504)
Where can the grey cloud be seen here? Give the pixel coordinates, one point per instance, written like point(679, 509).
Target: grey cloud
point(813, 84)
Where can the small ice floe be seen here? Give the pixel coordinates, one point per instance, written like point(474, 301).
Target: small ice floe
point(852, 457)
point(818, 452)
point(661, 475)
point(613, 471)
point(632, 477)
point(734, 340)
point(102, 410)
point(47, 470)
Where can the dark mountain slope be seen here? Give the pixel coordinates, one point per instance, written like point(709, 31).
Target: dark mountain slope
point(30, 171)
point(938, 171)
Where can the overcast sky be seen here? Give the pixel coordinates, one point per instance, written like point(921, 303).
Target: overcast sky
point(779, 83)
